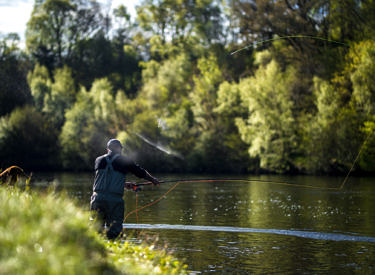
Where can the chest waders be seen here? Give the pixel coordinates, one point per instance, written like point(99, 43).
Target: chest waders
point(107, 197)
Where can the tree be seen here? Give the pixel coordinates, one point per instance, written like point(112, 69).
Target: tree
point(28, 140)
point(126, 72)
point(166, 83)
point(235, 156)
point(348, 19)
point(14, 91)
point(362, 76)
point(357, 79)
point(215, 104)
point(332, 136)
point(40, 85)
point(270, 129)
point(165, 96)
point(204, 94)
point(177, 20)
point(56, 26)
point(124, 26)
point(88, 126)
point(261, 20)
point(62, 96)
point(52, 98)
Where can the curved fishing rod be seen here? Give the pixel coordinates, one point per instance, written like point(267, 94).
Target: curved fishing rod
point(289, 36)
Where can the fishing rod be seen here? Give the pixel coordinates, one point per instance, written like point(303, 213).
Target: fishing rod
point(287, 37)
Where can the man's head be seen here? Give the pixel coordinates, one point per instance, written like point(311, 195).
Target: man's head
point(115, 146)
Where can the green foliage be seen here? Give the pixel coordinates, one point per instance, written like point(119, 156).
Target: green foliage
point(48, 234)
point(56, 27)
point(99, 57)
point(62, 96)
point(229, 100)
point(40, 85)
point(52, 98)
point(362, 76)
point(88, 125)
point(297, 104)
point(270, 129)
point(336, 132)
point(27, 139)
point(349, 18)
point(204, 94)
point(208, 143)
point(14, 91)
point(166, 83)
point(367, 158)
point(332, 133)
point(143, 259)
point(177, 19)
point(45, 234)
point(213, 126)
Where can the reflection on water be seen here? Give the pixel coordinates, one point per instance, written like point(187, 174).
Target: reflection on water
point(255, 205)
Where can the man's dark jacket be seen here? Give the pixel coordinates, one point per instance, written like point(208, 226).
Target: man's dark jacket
point(121, 165)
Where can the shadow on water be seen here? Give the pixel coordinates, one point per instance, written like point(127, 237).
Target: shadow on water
point(253, 227)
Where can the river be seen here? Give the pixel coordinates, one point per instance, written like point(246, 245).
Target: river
point(251, 227)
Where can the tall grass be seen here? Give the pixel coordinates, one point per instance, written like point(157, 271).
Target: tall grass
point(48, 234)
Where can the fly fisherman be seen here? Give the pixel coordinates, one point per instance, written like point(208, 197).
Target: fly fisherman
point(109, 184)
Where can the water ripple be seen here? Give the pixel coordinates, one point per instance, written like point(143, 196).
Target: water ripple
point(296, 233)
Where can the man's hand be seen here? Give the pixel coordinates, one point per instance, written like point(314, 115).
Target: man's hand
point(155, 182)
point(129, 185)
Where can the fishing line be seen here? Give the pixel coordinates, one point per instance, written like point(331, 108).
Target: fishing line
point(356, 159)
point(179, 181)
point(136, 210)
point(286, 37)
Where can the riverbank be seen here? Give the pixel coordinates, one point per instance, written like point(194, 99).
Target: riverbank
point(48, 234)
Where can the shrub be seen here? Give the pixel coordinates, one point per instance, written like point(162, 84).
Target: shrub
point(28, 140)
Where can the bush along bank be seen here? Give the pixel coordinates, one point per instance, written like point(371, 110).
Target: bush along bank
point(48, 234)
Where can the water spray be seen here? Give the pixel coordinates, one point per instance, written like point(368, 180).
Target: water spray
point(160, 147)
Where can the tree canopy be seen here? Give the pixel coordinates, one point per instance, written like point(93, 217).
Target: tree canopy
point(169, 83)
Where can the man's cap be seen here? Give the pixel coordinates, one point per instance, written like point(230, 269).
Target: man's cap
point(114, 143)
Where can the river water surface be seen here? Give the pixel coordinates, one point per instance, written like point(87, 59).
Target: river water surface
point(252, 227)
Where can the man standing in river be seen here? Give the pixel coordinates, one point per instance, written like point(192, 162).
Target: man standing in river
point(109, 184)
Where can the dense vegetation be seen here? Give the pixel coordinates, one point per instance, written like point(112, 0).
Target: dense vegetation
point(168, 78)
point(48, 234)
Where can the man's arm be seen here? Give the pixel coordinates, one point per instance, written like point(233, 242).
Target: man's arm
point(151, 178)
point(129, 165)
point(142, 173)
